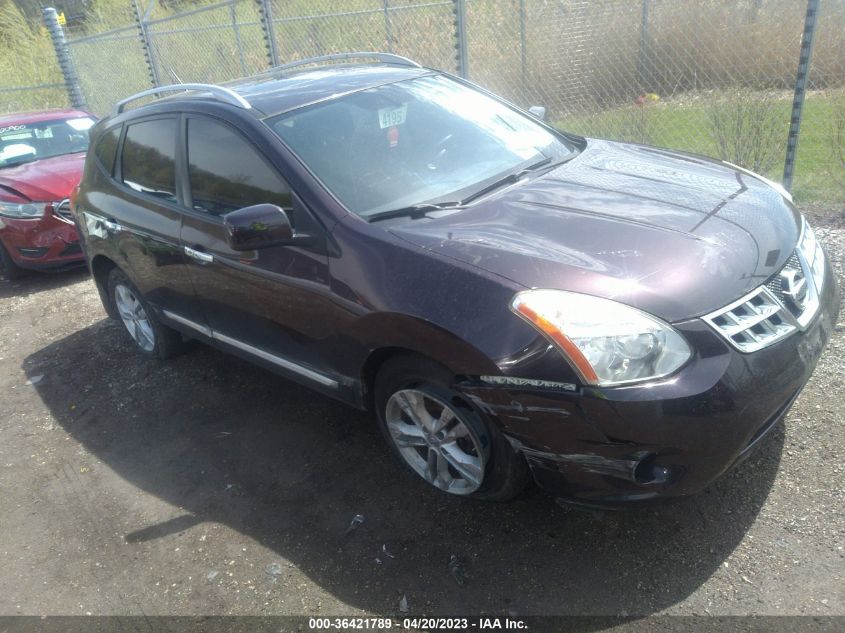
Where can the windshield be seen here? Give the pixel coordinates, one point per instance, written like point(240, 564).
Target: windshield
point(424, 140)
point(27, 142)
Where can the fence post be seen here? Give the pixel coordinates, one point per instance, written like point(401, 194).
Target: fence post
point(265, 10)
point(804, 57)
point(523, 53)
point(388, 27)
point(57, 34)
point(146, 44)
point(461, 46)
point(643, 65)
point(237, 29)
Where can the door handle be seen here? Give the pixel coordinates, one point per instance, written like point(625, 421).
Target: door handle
point(200, 256)
point(112, 226)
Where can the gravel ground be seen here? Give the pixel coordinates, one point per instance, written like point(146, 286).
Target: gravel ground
point(208, 486)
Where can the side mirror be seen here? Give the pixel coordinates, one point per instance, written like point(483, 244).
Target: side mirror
point(258, 226)
point(538, 111)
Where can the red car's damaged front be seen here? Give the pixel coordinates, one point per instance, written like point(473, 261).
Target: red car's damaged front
point(41, 160)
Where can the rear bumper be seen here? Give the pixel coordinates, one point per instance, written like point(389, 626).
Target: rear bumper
point(627, 445)
point(47, 243)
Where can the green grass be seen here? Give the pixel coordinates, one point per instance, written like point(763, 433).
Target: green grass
point(817, 178)
point(27, 58)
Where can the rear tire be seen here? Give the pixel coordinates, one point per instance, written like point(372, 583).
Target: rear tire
point(9, 270)
point(440, 437)
point(151, 337)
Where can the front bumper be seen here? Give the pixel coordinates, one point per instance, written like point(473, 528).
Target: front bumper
point(617, 446)
point(46, 243)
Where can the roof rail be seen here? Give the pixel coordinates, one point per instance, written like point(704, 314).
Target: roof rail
point(218, 92)
point(385, 58)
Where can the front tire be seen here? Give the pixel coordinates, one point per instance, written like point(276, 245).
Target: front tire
point(441, 438)
point(151, 337)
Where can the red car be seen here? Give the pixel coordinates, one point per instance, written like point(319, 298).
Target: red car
point(41, 159)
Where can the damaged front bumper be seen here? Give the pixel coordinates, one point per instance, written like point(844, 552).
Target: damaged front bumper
point(47, 243)
point(612, 447)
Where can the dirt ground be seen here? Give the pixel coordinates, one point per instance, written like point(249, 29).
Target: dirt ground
point(208, 486)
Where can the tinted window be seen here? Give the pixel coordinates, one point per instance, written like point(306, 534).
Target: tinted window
point(106, 148)
point(227, 173)
point(149, 158)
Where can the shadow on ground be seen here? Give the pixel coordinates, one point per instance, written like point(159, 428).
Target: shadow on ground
point(231, 443)
point(34, 283)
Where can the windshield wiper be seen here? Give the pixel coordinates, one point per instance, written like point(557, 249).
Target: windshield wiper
point(417, 211)
point(414, 211)
point(508, 180)
point(18, 163)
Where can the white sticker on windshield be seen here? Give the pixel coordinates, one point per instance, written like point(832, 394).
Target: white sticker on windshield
point(389, 117)
point(16, 150)
point(80, 125)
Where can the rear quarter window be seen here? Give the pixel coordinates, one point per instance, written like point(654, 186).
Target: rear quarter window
point(105, 149)
point(148, 160)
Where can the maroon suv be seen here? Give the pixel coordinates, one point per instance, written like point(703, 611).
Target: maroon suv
point(618, 321)
point(41, 160)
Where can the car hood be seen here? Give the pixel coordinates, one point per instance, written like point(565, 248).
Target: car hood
point(673, 234)
point(45, 180)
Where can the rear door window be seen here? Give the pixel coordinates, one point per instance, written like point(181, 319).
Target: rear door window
point(227, 173)
point(148, 160)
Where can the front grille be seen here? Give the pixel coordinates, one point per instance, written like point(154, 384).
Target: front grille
point(777, 284)
point(62, 210)
point(755, 321)
point(783, 305)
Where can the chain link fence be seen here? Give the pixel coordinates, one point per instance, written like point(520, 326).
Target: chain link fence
point(43, 96)
point(110, 66)
point(208, 45)
point(423, 31)
point(715, 77)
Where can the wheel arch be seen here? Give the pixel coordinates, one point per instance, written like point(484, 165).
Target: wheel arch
point(397, 335)
point(372, 364)
point(101, 267)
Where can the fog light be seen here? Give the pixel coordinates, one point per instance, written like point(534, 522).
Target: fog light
point(647, 472)
point(33, 252)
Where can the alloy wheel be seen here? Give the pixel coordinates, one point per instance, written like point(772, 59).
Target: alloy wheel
point(435, 441)
point(134, 317)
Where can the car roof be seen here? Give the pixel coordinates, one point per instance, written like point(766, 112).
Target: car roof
point(273, 93)
point(20, 118)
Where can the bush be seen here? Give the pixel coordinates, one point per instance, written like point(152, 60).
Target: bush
point(747, 128)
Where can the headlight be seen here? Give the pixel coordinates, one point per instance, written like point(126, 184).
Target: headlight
point(812, 252)
point(774, 185)
point(607, 343)
point(30, 210)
